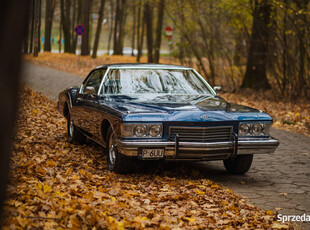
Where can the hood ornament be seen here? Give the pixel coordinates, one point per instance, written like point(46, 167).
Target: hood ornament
point(204, 116)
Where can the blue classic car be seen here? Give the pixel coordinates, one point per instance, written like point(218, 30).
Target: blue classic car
point(162, 112)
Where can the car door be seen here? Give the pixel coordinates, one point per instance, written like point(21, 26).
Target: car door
point(86, 101)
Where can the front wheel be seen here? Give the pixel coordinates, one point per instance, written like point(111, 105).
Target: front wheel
point(239, 165)
point(74, 134)
point(116, 161)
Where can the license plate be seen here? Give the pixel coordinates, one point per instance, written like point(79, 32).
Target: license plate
point(152, 153)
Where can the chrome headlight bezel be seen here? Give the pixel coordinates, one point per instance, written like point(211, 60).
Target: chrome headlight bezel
point(254, 129)
point(130, 130)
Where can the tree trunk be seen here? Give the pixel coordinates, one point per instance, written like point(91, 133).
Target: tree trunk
point(122, 26)
point(110, 25)
point(85, 37)
point(116, 25)
point(60, 35)
point(148, 16)
point(301, 21)
point(98, 31)
point(139, 37)
point(10, 47)
point(32, 25)
point(256, 76)
point(160, 19)
point(25, 42)
point(49, 14)
point(133, 30)
point(65, 6)
point(73, 24)
point(119, 24)
point(37, 31)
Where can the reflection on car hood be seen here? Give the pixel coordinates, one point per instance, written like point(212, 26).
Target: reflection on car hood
point(181, 107)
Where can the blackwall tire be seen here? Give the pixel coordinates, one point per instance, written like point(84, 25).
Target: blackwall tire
point(239, 165)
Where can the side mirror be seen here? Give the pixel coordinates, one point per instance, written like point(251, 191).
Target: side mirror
point(90, 90)
point(217, 89)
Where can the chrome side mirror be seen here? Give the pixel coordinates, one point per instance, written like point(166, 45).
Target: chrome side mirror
point(217, 89)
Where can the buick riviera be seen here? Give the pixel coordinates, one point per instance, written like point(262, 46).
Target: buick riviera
point(162, 112)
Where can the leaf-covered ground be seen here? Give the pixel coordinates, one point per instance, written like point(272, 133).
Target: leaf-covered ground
point(55, 184)
point(291, 116)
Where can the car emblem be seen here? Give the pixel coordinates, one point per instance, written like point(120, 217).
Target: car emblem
point(204, 116)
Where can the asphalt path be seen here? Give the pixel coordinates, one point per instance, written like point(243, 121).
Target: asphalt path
point(279, 181)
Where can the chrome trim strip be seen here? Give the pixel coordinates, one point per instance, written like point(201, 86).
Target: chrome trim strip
point(204, 81)
point(137, 144)
point(103, 79)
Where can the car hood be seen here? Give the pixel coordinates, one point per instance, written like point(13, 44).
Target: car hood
point(180, 108)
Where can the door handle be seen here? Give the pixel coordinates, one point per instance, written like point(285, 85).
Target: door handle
point(79, 99)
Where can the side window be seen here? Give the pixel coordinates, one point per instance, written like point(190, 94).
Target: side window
point(93, 82)
point(111, 85)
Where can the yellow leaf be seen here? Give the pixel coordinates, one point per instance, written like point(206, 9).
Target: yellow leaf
point(269, 212)
point(47, 188)
point(189, 219)
point(75, 177)
point(114, 224)
point(69, 171)
point(35, 111)
point(38, 186)
point(215, 186)
point(198, 192)
point(139, 218)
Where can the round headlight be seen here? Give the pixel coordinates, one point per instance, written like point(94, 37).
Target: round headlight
point(257, 129)
point(140, 131)
point(244, 129)
point(155, 130)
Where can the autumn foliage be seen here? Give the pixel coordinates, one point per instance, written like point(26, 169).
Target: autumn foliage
point(55, 184)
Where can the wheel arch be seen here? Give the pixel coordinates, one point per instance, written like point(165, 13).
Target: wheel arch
point(66, 110)
point(105, 124)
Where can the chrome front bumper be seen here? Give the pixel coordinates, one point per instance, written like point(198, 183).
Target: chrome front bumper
point(201, 151)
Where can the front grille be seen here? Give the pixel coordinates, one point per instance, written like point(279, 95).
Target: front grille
point(201, 134)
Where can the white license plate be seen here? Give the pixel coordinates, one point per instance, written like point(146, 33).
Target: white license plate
point(153, 153)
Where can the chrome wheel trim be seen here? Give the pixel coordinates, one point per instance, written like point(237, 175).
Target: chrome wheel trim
point(71, 128)
point(112, 149)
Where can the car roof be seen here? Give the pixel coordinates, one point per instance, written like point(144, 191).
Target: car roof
point(142, 66)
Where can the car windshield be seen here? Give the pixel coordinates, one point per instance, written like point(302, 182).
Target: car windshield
point(153, 81)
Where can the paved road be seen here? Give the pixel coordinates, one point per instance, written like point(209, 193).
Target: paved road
point(47, 80)
point(280, 180)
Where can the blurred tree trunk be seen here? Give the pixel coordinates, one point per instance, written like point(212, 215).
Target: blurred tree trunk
point(112, 12)
point(85, 37)
point(10, 50)
point(75, 10)
point(133, 29)
point(98, 30)
point(32, 8)
point(301, 24)
point(60, 35)
point(37, 28)
point(140, 31)
point(256, 76)
point(26, 39)
point(119, 25)
point(148, 17)
point(65, 6)
point(49, 14)
point(160, 19)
